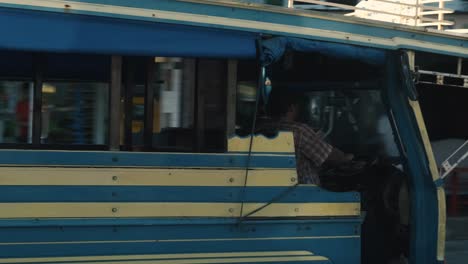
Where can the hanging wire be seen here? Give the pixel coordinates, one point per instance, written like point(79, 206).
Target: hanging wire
point(272, 201)
point(260, 90)
point(261, 83)
point(252, 134)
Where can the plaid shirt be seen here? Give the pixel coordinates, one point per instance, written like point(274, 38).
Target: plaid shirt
point(311, 149)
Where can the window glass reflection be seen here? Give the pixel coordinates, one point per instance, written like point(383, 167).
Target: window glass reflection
point(74, 113)
point(16, 112)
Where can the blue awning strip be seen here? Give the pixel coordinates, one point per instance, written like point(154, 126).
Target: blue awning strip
point(273, 50)
point(53, 32)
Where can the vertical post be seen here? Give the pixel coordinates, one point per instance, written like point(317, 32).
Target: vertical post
point(290, 3)
point(30, 111)
point(453, 211)
point(411, 59)
point(459, 66)
point(416, 15)
point(114, 113)
point(37, 99)
point(129, 87)
point(199, 110)
point(149, 104)
point(440, 16)
point(99, 115)
point(188, 92)
point(200, 122)
point(231, 98)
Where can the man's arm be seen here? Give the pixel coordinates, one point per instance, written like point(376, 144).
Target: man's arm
point(337, 157)
point(312, 146)
point(318, 151)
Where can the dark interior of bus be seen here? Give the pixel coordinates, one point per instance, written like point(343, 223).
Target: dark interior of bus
point(194, 104)
point(344, 99)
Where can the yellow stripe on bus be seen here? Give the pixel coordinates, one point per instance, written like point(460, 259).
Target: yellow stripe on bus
point(174, 240)
point(283, 142)
point(144, 177)
point(122, 210)
point(160, 256)
point(213, 260)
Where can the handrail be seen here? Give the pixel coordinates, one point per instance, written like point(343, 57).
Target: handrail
point(410, 13)
point(343, 6)
point(448, 167)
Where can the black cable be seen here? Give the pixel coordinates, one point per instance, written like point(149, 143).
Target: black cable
point(249, 155)
point(275, 199)
point(261, 83)
point(260, 86)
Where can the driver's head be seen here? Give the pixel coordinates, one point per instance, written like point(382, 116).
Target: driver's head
point(284, 105)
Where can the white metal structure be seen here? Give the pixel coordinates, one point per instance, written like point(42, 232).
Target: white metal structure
point(420, 13)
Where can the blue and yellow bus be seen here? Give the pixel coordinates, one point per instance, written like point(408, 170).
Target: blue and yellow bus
point(127, 135)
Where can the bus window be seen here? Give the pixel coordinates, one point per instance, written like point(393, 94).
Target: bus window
point(173, 125)
point(74, 113)
point(167, 104)
point(74, 100)
point(15, 112)
point(341, 98)
point(339, 105)
point(186, 100)
point(246, 90)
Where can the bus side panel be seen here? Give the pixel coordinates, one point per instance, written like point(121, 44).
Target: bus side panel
point(108, 207)
point(279, 241)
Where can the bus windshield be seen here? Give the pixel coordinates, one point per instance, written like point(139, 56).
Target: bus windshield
point(340, 96)
point(354, 120)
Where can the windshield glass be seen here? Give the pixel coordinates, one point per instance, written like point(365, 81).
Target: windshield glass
point(341, 97)
point(354, 120)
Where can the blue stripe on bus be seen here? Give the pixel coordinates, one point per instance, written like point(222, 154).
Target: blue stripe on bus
point(170, 194)
point(258, 229)
point(321, 236)
point(133, 159)
point(340, 250)
point(96, 222)
point(102, 35)
point(115, 240)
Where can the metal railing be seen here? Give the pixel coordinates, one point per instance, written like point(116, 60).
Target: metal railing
point(420, 13)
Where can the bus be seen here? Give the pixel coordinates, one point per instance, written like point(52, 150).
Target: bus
point(129, 134)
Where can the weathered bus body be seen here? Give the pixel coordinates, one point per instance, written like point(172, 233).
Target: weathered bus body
point(122, 196)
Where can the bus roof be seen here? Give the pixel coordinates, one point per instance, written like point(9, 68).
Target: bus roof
point(259, 19)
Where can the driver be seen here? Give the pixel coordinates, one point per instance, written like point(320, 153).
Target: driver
point(311, 149)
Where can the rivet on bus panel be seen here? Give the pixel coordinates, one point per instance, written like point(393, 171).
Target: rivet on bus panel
point(114, 178)
point(114, 210)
